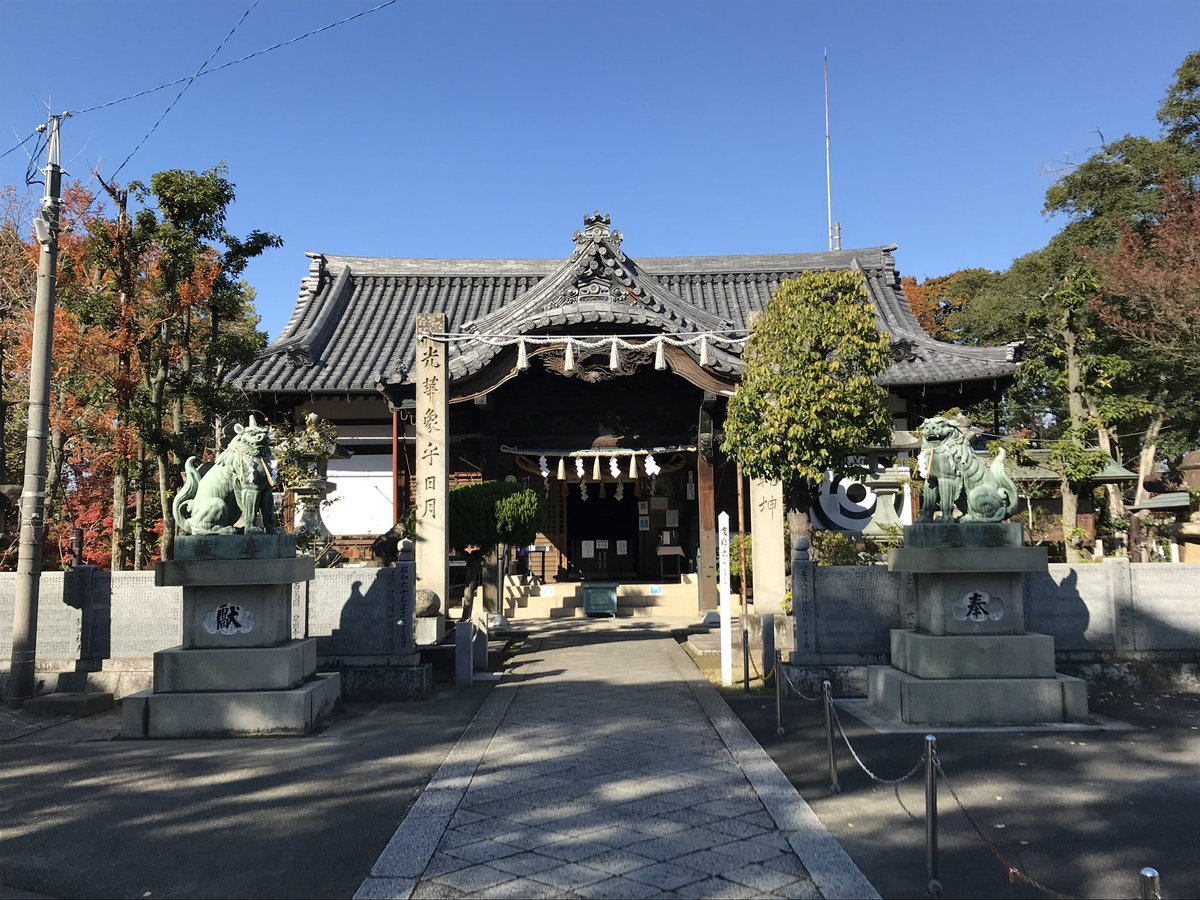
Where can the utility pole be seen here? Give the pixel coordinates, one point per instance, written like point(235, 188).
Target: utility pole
point(33, 492)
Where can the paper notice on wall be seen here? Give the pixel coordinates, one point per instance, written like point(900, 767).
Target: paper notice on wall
point(622, 548)
point(672, 518)
point(658, 502)
point(587, 549)
point(602, 544)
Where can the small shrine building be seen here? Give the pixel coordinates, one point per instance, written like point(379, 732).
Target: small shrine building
point(597, 378)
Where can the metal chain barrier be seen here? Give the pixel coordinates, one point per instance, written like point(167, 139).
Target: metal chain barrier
point(782, 670)
point(1014, 873)
point(893, 781)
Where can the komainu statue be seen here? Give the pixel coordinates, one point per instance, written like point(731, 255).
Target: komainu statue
point(955, 477)
point(236, 486)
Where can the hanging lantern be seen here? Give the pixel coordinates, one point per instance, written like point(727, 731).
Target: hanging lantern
point(704, 350)
point(660, 361)
point(614, 357)
point(562, 468)
point(614, 468)
point(596, 476)
point(569, 359)
point(633, 465)
point(522, 356)
point(579, 468)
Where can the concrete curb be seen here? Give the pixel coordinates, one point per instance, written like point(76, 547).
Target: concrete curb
point(400, 864)
point(831, 868)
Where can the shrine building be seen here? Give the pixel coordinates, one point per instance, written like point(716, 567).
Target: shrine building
point(598, 379)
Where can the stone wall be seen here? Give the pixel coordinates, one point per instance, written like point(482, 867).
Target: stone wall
point(90, 614)
point(1093, 610)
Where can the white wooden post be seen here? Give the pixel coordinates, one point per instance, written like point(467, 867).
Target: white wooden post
point(723, 588)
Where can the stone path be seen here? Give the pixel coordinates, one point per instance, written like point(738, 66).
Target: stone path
point(610, 768)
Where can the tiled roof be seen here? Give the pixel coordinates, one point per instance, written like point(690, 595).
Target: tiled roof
point(353, 325)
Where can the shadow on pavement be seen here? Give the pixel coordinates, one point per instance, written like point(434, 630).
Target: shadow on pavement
point(1080, 812)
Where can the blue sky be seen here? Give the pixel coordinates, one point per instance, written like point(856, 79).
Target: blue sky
point(487, 129)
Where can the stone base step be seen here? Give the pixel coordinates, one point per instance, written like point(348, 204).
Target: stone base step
point(231, 714)
point(75, 705)
point(199, 670)
point(120, 682)
point(973, 656)
point(976, 701)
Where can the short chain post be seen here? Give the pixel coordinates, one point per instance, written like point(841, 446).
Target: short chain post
point(1151, 889)
point(931, 835)
point(778, 694)
point(745, 658)
point(834, 787)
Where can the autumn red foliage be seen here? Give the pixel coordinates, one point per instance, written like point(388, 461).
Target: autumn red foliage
point(1151, 283)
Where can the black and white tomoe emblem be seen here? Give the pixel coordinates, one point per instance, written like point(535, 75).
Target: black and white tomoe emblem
point(844, 505)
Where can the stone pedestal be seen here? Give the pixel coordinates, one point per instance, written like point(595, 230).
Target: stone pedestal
point(238, 671)
point(969, 660)
point(430, 630)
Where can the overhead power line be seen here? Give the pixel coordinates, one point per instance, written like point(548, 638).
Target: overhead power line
point(235, 62)
point(21, 143)
point(183, 89)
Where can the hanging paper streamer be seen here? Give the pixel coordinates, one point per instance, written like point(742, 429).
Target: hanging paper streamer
point(569, 361)
point(620, 494)
point(660, 360)
point(704, 350)
point(562, 468)
point(633, 466)
point(544, 466)
point(652, 470)
point(614, 357)
point(614, 467)
point(579, 468)
point(522, 356)
point(596, 476)
point(583, 490)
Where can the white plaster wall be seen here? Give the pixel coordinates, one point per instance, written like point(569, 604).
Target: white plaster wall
point(362, 500)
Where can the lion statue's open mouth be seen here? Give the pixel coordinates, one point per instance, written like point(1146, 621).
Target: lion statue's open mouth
point(955, 477)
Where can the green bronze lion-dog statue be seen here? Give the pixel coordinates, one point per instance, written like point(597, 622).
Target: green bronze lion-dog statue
point(235, 487)
point(956, 477)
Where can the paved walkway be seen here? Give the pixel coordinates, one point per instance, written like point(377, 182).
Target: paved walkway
point(609, 767)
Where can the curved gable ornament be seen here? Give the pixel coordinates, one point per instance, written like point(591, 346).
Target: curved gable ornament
point(598, 284)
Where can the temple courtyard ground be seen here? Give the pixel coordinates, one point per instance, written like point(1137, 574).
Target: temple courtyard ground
point(603, 764)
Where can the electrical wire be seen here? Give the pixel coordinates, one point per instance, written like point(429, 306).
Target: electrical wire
point(21, 143)
point(235, 62)
point(183, 90)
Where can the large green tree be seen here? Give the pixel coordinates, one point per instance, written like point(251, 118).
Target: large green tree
point(809, 396)
point(1081, 381)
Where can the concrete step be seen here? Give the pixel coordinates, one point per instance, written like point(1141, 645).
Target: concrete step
point(74, 705)
point(120, 682)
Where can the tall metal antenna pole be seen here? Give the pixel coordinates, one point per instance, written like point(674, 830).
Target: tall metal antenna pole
point(33, 492)
point(828, 184)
